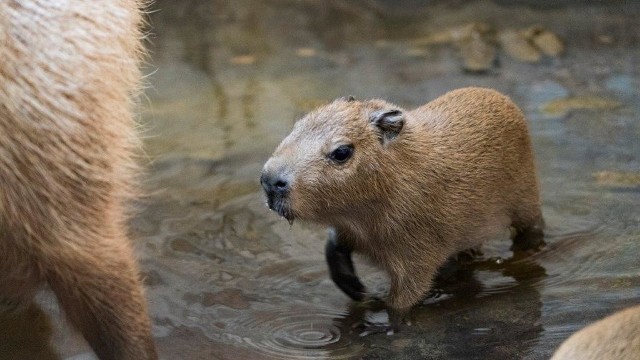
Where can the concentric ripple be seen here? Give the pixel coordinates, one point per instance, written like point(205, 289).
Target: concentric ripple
point(297, 334)
point(305, 332)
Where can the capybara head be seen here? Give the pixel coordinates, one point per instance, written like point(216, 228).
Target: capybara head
point(331, 165)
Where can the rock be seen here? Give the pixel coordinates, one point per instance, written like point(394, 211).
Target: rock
point(516, 45)
point(548, 42)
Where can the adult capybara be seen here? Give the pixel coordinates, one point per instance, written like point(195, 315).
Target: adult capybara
point(408, 189)
point(68, 78)
point(616, 337)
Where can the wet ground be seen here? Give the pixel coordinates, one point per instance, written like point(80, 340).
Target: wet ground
point(227, 279)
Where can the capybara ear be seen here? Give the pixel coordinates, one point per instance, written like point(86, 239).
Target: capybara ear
point(389, 122)
point(348, 98)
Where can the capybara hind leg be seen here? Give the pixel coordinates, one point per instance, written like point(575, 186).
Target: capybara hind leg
point(100, 292)
point(529, 226)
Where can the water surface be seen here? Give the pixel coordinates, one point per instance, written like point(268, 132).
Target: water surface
point(227, 279)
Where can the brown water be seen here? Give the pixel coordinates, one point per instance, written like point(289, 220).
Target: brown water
point(228, 279)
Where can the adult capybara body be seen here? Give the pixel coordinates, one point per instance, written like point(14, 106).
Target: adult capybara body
point(616, 337)
point(408, 188)
point(68, 74)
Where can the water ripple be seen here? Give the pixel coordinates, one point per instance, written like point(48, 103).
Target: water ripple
point(579, 251)
point(288, 274)
point(297, 334)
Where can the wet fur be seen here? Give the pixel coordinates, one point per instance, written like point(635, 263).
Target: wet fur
point(614, 337)
point(68, 74)
point(460, 171)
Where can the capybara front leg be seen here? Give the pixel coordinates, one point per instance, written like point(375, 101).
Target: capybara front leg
point(102, 295)
point(338, 255)
point(407, 289)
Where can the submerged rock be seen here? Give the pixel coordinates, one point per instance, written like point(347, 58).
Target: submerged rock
point(617, 178)
point(477, 47)
point(477, 43)
point(564, 105)
point(548, 42)
point(518, 46)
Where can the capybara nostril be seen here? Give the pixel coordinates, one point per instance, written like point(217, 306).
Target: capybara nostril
point(281, 185)
point(274, 184)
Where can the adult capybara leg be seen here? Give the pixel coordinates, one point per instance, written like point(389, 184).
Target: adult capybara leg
point(68, 78)
point(26, 334)
point(100, 291)
point(19, 278)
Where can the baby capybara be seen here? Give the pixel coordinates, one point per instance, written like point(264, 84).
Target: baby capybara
point(408, 189)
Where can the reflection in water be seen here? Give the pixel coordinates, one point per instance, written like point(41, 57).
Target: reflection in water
point(500, 323)
point(227, 279)
point(468, 319)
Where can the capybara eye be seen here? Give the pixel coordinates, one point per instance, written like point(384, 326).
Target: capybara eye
point(342, 153)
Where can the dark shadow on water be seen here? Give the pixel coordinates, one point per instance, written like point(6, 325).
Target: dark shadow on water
point(464, 317)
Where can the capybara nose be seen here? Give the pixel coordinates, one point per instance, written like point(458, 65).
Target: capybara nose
point(274, 185)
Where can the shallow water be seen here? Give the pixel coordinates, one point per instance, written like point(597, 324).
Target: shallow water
point(228, 279)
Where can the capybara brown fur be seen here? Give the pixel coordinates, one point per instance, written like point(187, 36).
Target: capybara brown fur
point(616, 337)
point(408, 189)
point(69, 76)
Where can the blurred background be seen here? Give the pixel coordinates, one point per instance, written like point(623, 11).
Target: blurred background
point(228, 279)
